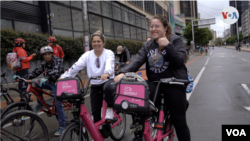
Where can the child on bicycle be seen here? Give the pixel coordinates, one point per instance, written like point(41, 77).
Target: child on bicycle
point(53, 68)
point(164, 57)
point(99, 61)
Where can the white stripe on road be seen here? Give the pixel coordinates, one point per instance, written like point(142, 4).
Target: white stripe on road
point(196, 80)
point(211, 53)
point(246, 88)
point(243, 59)
point(247, 108)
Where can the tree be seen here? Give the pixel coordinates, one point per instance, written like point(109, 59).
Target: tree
point(201, 35)
point(249, 35)
point(218, 41)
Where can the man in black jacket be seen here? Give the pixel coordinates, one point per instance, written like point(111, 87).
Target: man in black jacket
point(52, 68)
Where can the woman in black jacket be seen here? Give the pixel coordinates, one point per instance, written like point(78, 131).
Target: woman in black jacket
point(164, 55)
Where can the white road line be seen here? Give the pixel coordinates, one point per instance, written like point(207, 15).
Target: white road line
point(196, 80)
point(243, 59)
point(247, 108)
point(211, 53)
point(246, 88)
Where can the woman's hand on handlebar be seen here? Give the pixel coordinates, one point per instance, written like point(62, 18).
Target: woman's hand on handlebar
point(104, 76)
point(118, 77)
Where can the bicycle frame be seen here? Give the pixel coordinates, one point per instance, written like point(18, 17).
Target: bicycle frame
point(92, 127)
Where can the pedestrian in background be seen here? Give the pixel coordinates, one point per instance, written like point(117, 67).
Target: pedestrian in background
point(56, 48)
point(239, 47)
point(247, 45)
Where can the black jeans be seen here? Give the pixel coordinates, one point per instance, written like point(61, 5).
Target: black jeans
point(176, 102)
point(22, 86)
point(96, 97)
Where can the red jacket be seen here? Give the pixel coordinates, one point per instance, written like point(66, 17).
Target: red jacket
point(22, 55)
point(58, 51)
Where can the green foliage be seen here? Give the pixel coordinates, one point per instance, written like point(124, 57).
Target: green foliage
point(249, 35)
point(201, 35)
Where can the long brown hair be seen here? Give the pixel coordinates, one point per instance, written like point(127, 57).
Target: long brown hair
point(164, 20)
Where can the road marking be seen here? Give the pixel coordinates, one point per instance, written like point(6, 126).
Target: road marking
point(246, 88)
point(211, 53)
point(243, 59)
point(247, 108)
point(196, 80)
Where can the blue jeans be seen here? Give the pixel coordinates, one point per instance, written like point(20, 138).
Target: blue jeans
point(59, 107)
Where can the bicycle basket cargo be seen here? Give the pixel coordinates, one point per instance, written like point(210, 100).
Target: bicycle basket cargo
point(69, 85)
point(132, 96)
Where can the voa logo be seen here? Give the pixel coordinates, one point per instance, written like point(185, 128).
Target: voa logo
point(230, 15)
point(236, 132)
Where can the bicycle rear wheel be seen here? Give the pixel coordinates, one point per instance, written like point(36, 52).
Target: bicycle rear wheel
point(71, 133)
point(24, 125)
point(118, 131)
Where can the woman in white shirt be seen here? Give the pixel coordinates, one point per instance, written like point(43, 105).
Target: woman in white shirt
point(99, 62)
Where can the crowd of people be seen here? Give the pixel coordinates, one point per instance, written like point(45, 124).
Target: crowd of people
point(164, 54)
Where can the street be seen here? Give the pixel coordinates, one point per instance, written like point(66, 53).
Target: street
point(218, 97)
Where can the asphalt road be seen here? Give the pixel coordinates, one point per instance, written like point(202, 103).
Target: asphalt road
point(218, 97)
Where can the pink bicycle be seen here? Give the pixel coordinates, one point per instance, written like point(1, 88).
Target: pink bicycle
point(132, 98)
point(82, 123)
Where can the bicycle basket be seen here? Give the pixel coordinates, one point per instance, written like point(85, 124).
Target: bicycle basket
point(132, 96)
point(69, 85)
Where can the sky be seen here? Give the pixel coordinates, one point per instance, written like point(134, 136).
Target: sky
point(213, 9)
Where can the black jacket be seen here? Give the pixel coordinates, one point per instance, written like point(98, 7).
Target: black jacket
point(176, 52)
point(52, 70)
point(125, 56)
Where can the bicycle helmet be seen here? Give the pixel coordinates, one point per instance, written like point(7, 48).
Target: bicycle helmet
point(19, 42)
point(46, 49)
point(51, 39)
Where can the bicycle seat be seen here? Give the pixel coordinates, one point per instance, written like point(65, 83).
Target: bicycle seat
point(3, 74)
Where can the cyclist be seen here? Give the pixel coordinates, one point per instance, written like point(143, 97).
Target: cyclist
point(25, 61)
point(53, 67)
point(206, 49)
point(201, 49)
point(99, 61)
point(56, 48)
point(164, 59)
point(124, 55)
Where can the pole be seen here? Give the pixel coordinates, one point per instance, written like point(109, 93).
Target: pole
point(193, 34)
point(237, 24)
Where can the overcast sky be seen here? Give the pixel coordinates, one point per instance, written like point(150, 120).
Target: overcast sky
point(213, 9)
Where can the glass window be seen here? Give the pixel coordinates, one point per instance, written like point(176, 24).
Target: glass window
point(106, 9)
point(61, 16)
point(108, 27)
point(143, 23)
point(94, 6)
point(125, 17)
point(118, 38)
point(118, 29)
point(126, 31)
point(133, 32)
point(139, 36)
point(138, 21)
point(63, 33)
point(95, 23)
point(77, 4)
point(144, 35)
point(116, 13)
point(132, 18)
point(77, 20)
point(138, 3)
point(31, 2)
point(149, 7)
point(158, 9)
point(78, 34)
point(27, 27)
point(64, 2)
point(6, 24)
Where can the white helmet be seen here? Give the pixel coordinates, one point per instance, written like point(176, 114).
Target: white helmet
point(46, 49)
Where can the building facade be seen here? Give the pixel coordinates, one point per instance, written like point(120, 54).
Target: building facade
point(245, 22)
point(212, 42)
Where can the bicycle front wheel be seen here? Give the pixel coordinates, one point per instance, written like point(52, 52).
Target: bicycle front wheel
point(23, 125)
point(71, 133)
point(117, 132)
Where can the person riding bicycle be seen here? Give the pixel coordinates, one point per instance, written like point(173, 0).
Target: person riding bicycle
point(25, 61)
point(201, 49)
point(56, 48)
point(206, 49)
point(124, 55)
point(99, 61)
point(53, 68)
point(164, 56)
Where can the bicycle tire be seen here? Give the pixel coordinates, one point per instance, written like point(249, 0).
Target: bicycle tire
point(74, 126)
point(10, 108)
point(34, 117)
point(121, 132)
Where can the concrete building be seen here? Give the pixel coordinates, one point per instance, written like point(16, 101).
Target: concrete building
point(245, 24)
point(212, 42)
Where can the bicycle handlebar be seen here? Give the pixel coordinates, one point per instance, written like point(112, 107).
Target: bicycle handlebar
point(28, 81)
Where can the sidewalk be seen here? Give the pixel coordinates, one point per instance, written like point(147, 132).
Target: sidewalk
point(242, 48)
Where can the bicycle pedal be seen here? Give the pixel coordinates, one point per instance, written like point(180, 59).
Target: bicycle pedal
point(158, 126)
point(135, 128)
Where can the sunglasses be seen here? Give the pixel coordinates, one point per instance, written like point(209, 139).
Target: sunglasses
point(97, 62)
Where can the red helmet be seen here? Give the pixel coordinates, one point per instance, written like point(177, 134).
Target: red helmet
point(51, 39)
point(19, 41)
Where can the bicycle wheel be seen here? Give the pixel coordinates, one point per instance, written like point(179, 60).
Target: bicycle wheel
point(24, 125)
point(118, 131)
point(71, 133)
point(16, 106)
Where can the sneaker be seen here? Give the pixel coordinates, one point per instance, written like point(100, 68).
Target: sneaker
point(59, 131)
point(109, 114)
point(38, 108)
